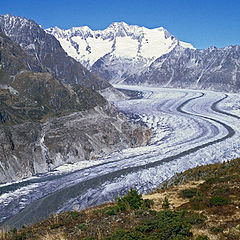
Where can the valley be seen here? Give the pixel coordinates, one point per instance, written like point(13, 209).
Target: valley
point(190, 128)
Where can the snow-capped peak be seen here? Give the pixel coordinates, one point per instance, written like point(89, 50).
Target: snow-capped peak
point(118, 25)
point(119, 43)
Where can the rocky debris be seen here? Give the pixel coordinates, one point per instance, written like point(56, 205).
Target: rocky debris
point(30, 148)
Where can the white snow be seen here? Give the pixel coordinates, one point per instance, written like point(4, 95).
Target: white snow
point(119, 39)
point(126, 47)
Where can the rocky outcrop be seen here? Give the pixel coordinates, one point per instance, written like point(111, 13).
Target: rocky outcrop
point(35, 147)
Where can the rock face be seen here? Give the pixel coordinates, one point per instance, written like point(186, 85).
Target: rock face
point(47, 52)
point(35, 96)
point(136, 55)
point(213, 68)
point(45, 122)
point(35, 147)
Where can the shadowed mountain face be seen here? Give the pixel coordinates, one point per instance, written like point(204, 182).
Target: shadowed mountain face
point(212, 68)
point(34, 96)
point(14, 59)
point(48, 53)
point(45, 123)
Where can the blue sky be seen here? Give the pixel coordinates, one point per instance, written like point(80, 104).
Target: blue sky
point(203, 23)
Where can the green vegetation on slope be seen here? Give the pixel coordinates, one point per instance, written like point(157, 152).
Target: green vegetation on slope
point(210, 210)
point(29, 93)
point(37, 96)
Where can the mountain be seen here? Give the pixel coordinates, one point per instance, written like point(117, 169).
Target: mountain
point(212, 68)
point(136, 55)
point(35, 93)
point(119, 51)
point(46, 50)
point(45, 122)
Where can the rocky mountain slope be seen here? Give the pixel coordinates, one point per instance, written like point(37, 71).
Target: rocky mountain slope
point(46, 50)
point(119, 51)
point(213, 68)
point(45, 122)
point(136, 55)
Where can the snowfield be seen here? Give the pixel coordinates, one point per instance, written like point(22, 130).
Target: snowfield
point(190, 128)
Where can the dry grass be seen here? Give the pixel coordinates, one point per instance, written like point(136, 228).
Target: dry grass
point(53, 236)
point(222, 221)
point(173, 195)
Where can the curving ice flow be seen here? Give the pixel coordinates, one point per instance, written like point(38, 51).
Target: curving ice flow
point(189, 128)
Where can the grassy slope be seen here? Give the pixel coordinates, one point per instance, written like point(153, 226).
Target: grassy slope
point(204, 204)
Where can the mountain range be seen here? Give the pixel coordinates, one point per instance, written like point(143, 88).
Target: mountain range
point(50, 113)
point(47, 52)
point(130, 54)
point(50, 101)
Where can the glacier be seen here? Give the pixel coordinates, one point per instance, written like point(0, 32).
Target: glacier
point(190, 128)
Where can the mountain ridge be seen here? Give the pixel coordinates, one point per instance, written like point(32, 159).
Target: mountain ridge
point(47, 51)
point(87, 43)
point(45, 122)
point(129, 54)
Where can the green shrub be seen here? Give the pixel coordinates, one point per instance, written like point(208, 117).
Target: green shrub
point(147, 203)
point(82, 226)
point(216, 229)
point(202, 237)
point(218, 201)
point(145, 228)
point(110, 211)
point(165, 203)
point(212, 180)
point(194, 218)
point(189, 193)
point(132, 201)
point(21, 237)
point(222, 190)
point(196, 203)
point(163, 225)
point(75, 215)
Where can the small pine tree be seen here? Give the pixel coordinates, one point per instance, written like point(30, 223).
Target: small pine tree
point(131, 201)
point(165, 204)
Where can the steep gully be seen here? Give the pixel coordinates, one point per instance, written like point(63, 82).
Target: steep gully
point(51, 193)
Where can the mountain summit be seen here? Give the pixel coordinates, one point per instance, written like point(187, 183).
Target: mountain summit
point(137, 55)
point(121, 48)
point(47, 52)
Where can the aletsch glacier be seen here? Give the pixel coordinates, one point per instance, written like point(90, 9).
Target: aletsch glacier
point(190, 128)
